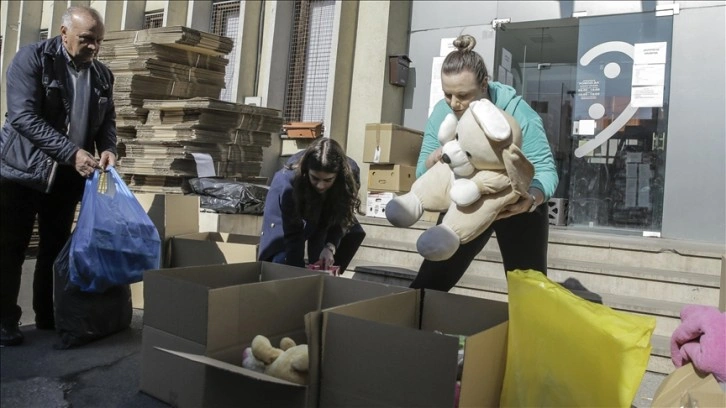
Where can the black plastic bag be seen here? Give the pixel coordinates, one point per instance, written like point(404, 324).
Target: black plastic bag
point(228, 196)
point(82, 317)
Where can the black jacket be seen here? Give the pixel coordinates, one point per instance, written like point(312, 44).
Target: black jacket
point(33, 140)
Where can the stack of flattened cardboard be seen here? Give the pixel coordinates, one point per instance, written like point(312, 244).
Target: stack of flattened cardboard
point(166, 83)
point(162, 156)
point(180, 37)
point(162, 63)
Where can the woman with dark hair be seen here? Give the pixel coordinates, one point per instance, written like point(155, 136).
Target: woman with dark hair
point(522, 228)
point(313, 200)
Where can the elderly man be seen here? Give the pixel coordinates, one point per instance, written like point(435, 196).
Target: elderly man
point(60, 110)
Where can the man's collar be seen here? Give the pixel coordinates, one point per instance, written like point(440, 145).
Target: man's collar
point(72, 63)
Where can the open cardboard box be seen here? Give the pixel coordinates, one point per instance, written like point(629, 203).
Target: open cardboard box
point(388, 351)
point(172, 214)
point(688, 384)
point(211, 248)
point(199, 320)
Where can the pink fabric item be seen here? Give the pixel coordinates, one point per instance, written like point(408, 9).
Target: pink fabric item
point(701, 339)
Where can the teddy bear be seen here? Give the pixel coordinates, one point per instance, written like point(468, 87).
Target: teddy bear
point(289, 362)
point(482, 171)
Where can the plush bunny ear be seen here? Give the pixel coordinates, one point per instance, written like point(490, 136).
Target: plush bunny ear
point(447, 130)
point(491, 120)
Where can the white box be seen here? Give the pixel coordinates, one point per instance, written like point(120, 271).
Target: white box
point(557, 211)
point(376, 203)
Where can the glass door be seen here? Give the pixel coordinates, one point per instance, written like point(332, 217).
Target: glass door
point(539, 59)
point(600, 85)
point(619, 121)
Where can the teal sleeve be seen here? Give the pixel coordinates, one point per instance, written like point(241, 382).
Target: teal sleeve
point(536, 148)
point(431, 135)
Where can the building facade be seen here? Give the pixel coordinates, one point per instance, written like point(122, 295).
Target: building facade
point(632, 93)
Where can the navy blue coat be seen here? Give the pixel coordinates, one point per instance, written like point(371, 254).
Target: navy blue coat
point(33, 140)
point(282, 228)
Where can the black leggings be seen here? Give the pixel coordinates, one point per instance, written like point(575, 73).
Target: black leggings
point(522, 241)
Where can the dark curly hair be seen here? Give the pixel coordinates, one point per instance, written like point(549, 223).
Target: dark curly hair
point(341, 200)
point(464, 58)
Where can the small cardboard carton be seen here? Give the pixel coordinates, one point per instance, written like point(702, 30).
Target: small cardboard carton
point(688, 387)
point(402, 350)
point(172, 214)
point(244, 224)
point(200, 320)
point(212, 248)
point(391, 177)
point(376, 203)
point(388, 143)
point(307, 130)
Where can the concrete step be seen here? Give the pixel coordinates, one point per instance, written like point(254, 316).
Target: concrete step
point(666, 313)
point(496, 290)
point(650, 283)
point(567, 244)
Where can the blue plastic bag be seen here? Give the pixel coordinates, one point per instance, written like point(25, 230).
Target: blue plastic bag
point(114, 241)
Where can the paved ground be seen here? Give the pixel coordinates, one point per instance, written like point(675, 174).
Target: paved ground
point(104, 373)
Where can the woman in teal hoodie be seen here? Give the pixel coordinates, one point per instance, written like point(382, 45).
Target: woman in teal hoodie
point(522, 229)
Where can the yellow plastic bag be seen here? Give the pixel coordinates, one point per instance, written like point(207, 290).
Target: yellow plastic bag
point(566, 351)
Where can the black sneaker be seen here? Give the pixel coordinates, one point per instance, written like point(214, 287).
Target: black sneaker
point(10, 334)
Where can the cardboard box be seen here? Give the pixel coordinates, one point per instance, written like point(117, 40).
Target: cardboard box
point(308, 130)
point(376, 203)
point(243, 224)
point(387, 143)
point(376, 206)
point(391, 177)
point(390, 351)
point(212, 248)
point(687, 384)
point(172, 214)
point(200, 319)
point(291, 146)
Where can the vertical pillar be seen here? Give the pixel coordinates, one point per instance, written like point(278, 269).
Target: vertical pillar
point(11, 9)
point(247, 43)
point(132, 14)
point(199, 15)
point(111, 11)
point(29, 22)
point(175, 13)
point(382, 31)
point(273, 69)
point(338, 98)
point(58, 7)
point(22, 27)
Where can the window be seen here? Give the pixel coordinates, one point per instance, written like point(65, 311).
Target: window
point(43, 34)
point(225, 22)
point(309, 61)
point(153, 19)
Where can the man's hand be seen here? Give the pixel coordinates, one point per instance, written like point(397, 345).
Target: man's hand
point(107, 159)
point(85, 163)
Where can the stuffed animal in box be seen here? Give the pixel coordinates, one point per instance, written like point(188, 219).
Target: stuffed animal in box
point(483, 171)
point(289, 362)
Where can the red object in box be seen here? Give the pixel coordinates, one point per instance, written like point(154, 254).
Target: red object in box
point(318, 267)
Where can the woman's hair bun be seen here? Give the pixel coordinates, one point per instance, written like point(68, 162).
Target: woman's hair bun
point(465, 43)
